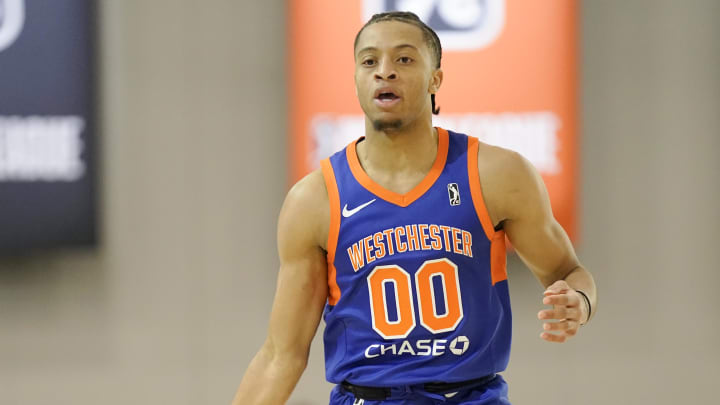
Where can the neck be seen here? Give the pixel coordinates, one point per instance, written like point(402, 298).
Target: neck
point(412, 147)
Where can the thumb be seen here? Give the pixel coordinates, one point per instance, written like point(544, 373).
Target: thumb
point(557, 287)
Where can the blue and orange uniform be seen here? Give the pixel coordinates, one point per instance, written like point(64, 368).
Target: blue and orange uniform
point(417, 283)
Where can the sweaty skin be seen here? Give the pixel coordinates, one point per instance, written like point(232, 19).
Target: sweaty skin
point(394, 55)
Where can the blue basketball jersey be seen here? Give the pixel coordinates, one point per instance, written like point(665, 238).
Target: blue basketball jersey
point(417, 282)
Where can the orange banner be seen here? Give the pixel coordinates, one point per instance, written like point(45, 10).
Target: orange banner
point(510, 79)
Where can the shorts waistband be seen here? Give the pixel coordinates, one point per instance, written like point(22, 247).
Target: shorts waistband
point(441, 388)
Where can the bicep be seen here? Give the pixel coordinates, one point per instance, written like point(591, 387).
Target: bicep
point(299, 300)
point(538, 238)
point(301, 289)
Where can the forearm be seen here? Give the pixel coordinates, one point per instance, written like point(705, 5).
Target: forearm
point(270, 379)
point(581, 279)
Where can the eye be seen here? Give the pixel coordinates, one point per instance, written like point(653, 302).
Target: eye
point(405, 59)
point(368, 62)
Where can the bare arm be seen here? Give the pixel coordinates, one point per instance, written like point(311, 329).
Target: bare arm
point(299, 298)
point(518, 198)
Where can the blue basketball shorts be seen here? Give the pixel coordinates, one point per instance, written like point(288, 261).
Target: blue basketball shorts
point(493, 393)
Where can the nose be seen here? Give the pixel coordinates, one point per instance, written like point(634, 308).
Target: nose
point(385, 71)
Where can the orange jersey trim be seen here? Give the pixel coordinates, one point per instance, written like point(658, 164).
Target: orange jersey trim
point(334, 231)
point(476, 189)
point(402, 200)
point(498, 258)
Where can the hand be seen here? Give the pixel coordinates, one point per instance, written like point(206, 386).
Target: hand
point(568, 311)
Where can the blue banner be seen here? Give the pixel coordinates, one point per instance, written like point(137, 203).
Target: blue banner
point(47, 140)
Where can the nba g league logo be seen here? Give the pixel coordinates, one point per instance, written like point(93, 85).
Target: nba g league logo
point(462, 25)
point(12, 17)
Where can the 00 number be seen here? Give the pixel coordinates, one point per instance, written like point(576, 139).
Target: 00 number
point(395, 277)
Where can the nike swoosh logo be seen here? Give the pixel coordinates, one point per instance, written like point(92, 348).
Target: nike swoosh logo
point(348, 213)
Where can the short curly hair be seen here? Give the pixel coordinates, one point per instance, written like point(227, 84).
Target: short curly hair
point(430, 37)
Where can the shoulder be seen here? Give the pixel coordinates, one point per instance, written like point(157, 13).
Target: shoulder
point(305, 212)
point(308, 191)
point(505, 167)
point(508, 181)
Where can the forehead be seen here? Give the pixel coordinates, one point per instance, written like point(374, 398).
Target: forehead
point(388, 34)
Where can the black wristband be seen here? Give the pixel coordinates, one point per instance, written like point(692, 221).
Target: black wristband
point(587, 301)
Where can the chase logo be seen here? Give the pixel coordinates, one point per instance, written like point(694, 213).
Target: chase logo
point(12, 18)
point(460, 24)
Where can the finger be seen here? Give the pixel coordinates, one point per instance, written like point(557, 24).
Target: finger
point(564, 326)
point(560, 312)
point(553, 338)
point(568, 300)
point(557, 287)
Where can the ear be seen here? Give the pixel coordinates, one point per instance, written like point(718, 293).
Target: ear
point(435, 81)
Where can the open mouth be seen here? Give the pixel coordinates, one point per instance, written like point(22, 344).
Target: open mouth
point(386, 98)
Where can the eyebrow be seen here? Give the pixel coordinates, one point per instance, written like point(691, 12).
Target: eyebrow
point(372, 48)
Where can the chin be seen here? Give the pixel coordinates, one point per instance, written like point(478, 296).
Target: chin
point(387, 124)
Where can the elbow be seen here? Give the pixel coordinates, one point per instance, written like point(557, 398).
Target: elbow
point(285, 360)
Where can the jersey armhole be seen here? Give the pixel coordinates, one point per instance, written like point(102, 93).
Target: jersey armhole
point(476, 188)
point(333, 231)
point(498, 251)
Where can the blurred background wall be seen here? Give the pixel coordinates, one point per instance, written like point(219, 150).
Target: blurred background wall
point(174, 303)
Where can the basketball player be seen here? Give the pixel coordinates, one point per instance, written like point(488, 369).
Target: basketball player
point(399, 240)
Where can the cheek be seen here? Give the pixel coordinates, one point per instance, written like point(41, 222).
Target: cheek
point(419, 90)
point(361, 85)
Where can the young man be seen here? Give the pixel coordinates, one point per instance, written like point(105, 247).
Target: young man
point(400, 240)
